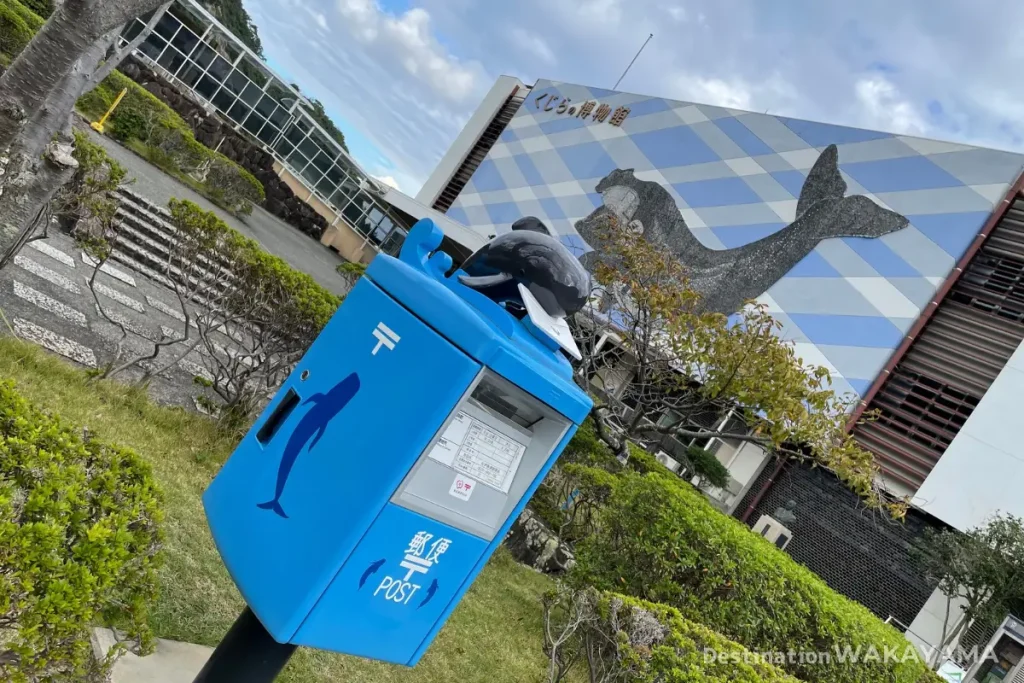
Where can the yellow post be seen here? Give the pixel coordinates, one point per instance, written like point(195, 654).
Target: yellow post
point(98, 125)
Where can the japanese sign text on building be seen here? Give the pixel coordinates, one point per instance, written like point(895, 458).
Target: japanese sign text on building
point(591, 109)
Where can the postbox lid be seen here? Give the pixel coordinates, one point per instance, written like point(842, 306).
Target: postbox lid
point(482, 329)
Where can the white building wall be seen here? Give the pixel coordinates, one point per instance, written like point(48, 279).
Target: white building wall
point(925, 632)
point(982, 471)
point(471, 132)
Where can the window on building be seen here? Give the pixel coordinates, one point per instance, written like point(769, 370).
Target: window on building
point(254, 70)
point(203, 55)
point(392, 244)
point(238, 111)
point(191, 74)
point(280, 93)
point(224, 100)
point(280, 117)
point(268, 133)
point(185, 41)
point(219, 69)
point(153, 46)
point(134, 28)
point(236, 82)
point(323, 161)
point(254, 123)
point(167, 25)
point(283, 148)
point(356, 208)
point(252, 94)
point(172, 60)
point(206, 87)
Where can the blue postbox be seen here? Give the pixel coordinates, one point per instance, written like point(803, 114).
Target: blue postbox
point(367, 497)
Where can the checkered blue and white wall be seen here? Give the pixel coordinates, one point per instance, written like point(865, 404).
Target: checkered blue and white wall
point(736, 177)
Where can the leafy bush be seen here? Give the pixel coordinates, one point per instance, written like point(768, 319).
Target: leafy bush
point(270, 311)
point(169, 143)
point(18, 24)
point(79, 538)
point(86, 202)
point(705, 465)
point(659, 539)
point(619, 638)
point(41, 8)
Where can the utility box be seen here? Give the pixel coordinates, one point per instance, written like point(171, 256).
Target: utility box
point(367, 497)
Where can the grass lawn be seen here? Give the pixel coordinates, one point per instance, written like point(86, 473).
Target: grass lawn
point(493, 636)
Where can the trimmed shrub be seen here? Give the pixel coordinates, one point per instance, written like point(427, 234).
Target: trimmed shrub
point(271, 312)
point(658, 539)
point(18, 24)
point(169, 143)
point(79, 539)
point(619, 638)
point(41, 8)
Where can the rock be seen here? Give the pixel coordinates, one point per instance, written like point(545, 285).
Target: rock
point(534, 544)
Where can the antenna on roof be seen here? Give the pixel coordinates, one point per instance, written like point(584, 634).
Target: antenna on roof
point(616, 86)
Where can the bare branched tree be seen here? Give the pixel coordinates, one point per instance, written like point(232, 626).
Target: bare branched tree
point(666, 373)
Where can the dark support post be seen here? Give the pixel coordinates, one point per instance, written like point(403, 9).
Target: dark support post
point(248, 654)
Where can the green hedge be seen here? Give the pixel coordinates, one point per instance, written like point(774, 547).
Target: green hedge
point(18, 24)
point(313, 303)
point(677, 649)
point(79, 539)
point(167, 142)
point(659, 539)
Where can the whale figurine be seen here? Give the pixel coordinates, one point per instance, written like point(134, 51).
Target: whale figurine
point(310, 428)
point(532, 256)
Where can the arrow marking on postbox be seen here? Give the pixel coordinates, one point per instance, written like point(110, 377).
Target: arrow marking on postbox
point(385, 337)
point(372, 569)
point(312, 425)
point(430, 593)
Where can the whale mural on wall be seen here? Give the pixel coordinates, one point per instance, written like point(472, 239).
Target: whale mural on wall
point(725, 278)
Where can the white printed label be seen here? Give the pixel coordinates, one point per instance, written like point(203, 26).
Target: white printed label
point(462, 488)
point(476, 449)
point(447, 446)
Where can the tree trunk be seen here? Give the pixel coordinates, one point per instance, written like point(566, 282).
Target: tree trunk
point(120, 53)
point(35, 179)
point(37, 95)
point(30, 184)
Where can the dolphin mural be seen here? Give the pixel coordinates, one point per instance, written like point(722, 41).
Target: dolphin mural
point(311, 426)
point(725, 278)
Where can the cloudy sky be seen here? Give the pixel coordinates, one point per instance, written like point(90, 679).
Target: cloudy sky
point(400, 77)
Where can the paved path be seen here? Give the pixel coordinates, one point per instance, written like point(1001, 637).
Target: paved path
point(300, 251)
point(45, 297)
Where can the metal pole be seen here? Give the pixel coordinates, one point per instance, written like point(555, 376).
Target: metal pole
point(616, 86)
point(248, 654)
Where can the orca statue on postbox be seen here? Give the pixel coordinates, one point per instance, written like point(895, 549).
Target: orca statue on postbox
point(366, 498)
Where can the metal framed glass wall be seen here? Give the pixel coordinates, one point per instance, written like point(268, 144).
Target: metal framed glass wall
point(190, 48)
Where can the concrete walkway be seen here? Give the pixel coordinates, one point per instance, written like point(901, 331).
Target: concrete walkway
point(172, 662)
point(277, 237)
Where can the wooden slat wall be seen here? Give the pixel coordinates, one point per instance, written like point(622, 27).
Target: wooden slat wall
point(935, 387)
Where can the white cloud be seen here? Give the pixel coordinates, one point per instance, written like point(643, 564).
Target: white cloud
point(388, 180)
point(321, 20)
point(408, 38)
point(532, 43)
point(884, 107)
point(677, 12)
point(735, 95)
point(407, 79)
